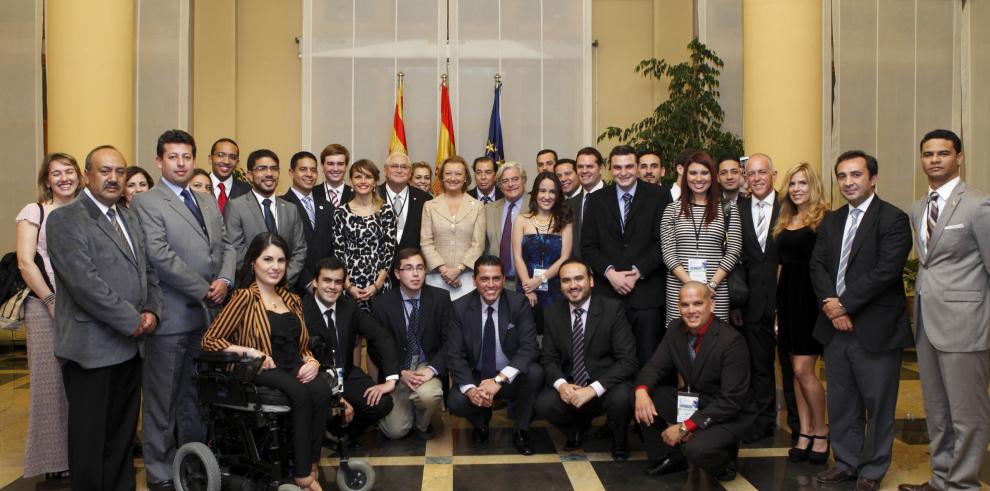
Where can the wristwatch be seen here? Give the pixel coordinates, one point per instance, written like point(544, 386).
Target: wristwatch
point(682, 429)
point(713, 285)
point(500, 379)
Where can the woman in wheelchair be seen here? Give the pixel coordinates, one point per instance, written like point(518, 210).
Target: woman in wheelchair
point(263, 319)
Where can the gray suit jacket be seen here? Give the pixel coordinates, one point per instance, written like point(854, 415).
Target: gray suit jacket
point(245, 222)
point(953, 283)
point(493, 225)
point(186, 260)
point(102, 287)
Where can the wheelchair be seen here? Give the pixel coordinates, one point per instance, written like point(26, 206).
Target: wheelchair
point(249, 433)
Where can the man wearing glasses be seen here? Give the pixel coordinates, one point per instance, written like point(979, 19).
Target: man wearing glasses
point(224, 156)
point(501, 214)
point(406, 200)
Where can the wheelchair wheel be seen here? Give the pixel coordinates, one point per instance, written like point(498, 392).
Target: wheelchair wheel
point(289, 487)
point(195, 468)
point(357, 476)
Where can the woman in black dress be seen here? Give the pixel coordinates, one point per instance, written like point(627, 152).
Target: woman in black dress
point(802, 208)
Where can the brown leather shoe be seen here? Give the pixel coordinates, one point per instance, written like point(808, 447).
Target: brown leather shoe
point(917, 487)
point(833, 475)
point(864, 484)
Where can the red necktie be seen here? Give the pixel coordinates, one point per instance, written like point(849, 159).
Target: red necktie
point(222, 197)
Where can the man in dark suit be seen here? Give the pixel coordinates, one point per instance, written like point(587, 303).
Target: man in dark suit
point(416, 315)
point(224, 156)
point(566, 172)
point(188, 246)
point(651, 167)
point(589, 357)
point(334, 159)
point(337, 321)
point(620, 239)
point(318, 223)
point(856, 269)
point(485, 189)
point(589, 173)
point(702, 424)
point(406, 200)
point(108, 299)
point(491, 353)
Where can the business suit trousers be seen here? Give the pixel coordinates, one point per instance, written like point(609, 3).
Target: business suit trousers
point(569, 419)
point(412, 407)
point(954, 386)
point(355, 384)
point(862, 396)
point(761, 342)
point(103, 414)
point(710, 448)
point(648, 329)
point(171, 416)
point(520, 394)
point(310, 409)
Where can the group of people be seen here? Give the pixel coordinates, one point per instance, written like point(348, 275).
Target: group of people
point(663, 304)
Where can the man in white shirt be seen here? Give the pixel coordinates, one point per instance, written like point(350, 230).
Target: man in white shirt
point(566, 171)
point(589, 171)
point(485, 189)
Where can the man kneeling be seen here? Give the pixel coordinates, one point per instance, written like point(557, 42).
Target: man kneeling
point(703, 422)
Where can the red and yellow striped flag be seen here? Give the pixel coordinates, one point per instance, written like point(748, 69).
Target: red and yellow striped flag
point(445, 142)
point(398, 143)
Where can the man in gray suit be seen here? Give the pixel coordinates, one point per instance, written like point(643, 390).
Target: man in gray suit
point(501, 214)
point(186, 243)
point(952, 225)
point(261, 211)
point(108, 299)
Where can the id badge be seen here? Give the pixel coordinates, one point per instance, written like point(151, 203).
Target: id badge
point(698, 270)
point(339, 388)
point(687, 404)
point(543, 286)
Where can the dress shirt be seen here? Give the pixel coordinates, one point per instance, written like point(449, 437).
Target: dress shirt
point(104, 209)
point(754, 206)
point(943, 197)
point(675, 192)
point(339, 190)
point(400, 214)
point(584, 197)
point(408, 308)
point(599, 388)
point(323, 315)
point(575, 193)
point(490, 196)
point(272, 206)
point(511, 273)
point(618, 196)
point(500, 359)
point(690, 425)
point(228, 184)
point(302, 199)
point(862, 207)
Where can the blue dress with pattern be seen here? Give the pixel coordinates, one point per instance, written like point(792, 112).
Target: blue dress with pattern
point(539, 251)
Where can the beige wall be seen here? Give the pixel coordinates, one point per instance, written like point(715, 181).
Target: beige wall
point(214, 73)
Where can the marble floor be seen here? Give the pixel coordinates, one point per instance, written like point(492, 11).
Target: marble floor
point(453, 461)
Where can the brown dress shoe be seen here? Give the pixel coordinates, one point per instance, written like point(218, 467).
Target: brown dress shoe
point(864, 484)
point(917, 487)
point(833, 475)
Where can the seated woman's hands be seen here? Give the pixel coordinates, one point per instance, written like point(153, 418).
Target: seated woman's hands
point(308, 371)
point(268, 362)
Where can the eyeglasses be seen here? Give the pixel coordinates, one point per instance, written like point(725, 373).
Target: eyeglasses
point(225, 155)
point(410, 268)
point(265, 168)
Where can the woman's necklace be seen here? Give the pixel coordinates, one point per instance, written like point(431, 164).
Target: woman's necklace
point(542, 224)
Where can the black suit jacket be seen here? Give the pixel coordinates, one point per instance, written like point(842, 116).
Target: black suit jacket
point(320, 193)
point(414, 216)
point(874, 295)
point(719, 374)
point(238, 188)
point(516, 333)
point(477, 194)
point(434, 309)
point(350, 322)
point(576, 211)
point(761, 265)
point(319, 241)
point(610, 348)
point(604, 243)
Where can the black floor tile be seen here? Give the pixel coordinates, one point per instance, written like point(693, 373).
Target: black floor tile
point(631, 475)
point(38, 483)
point(387, 477)
point(911, 431)
point(374, 444)
point(594, 442)
point(781, 439)
point(500, 442)
point(776, 473)
point(501, 477)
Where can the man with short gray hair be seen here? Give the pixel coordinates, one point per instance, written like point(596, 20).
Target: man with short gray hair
point(501, 214)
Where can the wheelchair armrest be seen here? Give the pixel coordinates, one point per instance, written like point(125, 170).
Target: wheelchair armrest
point(220, 357)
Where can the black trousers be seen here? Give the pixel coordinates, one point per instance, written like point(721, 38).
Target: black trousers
point(648, 329)
point(568, 419)
point(520, 394)
point(711, 448)
point(762, 343)
point(355, 384)
point(310, 410)
point(103, 413)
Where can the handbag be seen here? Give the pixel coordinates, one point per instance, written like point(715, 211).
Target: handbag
point(737, 280)
point(13, 290)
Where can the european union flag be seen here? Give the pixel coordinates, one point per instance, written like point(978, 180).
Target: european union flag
point(495, 148)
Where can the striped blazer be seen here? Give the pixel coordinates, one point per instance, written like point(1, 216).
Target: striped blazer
point(244, 322)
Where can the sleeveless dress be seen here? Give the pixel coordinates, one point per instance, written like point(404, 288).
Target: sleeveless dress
point(797, 306)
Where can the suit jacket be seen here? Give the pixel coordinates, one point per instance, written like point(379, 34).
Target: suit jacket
point(245, 221)
point(434, 310)
point(452, 239)
point(610, 348)
point(237, 189)
point(414, 217)
point(102, 287)
point(477, 194)
point(574, 204)
point(320, 192)
point(516, 334)
point(719, 374)
point(874, 295)
point(494, 220)
point(319, 239)
point(953, 283)
point(761, 265)
point(350, 322)
point(186, 259)
point(603, 243)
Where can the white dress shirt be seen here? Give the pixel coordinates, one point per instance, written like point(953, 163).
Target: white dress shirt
point(500, 359)
point(754, 207)
point(599, 388)
point(400, 213)
point(944, 192)
point(271, 206)
point(333, 315)
point(228, 184)
point(104, 209)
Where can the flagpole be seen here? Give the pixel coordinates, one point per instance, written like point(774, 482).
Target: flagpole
point(498, 79)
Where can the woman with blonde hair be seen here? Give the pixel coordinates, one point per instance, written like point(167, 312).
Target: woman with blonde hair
point(802, 209)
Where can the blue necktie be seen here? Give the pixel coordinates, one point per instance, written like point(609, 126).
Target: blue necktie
point(187, 198)
point(488, 347)
point(627, 201)
point(412, 334)
point(269, 218)
point(692, 343)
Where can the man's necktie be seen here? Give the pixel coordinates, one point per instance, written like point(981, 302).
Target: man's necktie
point(333, 342)
point(488, 347)
point(761, 225)
point(579, 371)
point(412, 334)
point(840, 282)
point(310, 210)
point(397, 206)
point(932, 219)
point(334, 198)
point(112, 215)
point(222, 196)
point(505, 247)
point(193, 208)
point(486, 199)
point(692, 345)
point(269, 217)
point(626, 204)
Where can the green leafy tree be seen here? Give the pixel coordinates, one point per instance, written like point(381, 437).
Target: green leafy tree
point(690, 118)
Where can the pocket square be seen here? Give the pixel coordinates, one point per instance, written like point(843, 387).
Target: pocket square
point(510, 327)
point(956, 226)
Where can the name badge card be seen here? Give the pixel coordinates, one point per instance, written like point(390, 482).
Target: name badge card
point(687, 404)
point(698, 269)
point(543, 286)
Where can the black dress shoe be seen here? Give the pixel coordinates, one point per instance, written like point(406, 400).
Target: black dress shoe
point(833, 475)
point(427, 434)
point(520, 440)
point(161, 486)
point(675, 462)
point(620, 453)
point(575, 442)
point(727, 474)
point(480, 435)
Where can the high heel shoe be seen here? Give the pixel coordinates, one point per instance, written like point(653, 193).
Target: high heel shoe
point(819, 458)
point(796, 454)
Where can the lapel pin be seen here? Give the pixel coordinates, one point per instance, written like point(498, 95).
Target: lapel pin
point(953, 203)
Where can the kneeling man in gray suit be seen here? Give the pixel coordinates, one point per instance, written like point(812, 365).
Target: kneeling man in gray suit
point(108, 299)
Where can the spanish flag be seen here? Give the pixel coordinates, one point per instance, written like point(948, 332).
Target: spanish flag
point(445, 142)
point(398, 143)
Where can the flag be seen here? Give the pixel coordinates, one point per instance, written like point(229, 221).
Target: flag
point(398, 143)
point(445, 142)
point(494, 148)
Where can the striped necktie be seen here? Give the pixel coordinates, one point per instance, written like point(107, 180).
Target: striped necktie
point(761, 225)
point(579, 371)
point(932, 219)
point(840, 282)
